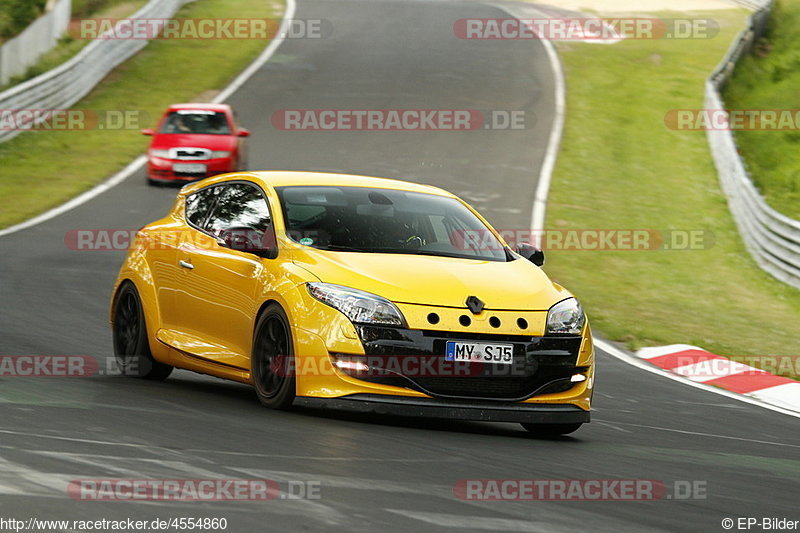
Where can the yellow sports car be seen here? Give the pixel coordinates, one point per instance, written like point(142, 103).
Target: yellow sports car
point(352, 292)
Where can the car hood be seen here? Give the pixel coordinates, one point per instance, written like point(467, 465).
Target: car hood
point(437, 281)
point(165, 141)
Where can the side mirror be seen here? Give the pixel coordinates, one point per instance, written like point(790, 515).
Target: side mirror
point(243, 132)
point(531, 253)
point(147, 131)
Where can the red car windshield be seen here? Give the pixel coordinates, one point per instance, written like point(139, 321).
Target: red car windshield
point(196, 122)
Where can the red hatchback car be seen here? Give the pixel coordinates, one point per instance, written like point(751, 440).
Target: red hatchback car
point(195, 141)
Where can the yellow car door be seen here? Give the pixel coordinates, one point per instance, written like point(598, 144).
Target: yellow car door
point(222, 274)
point(162, 241)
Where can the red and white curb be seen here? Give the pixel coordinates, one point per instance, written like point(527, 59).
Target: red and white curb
point(700, 366)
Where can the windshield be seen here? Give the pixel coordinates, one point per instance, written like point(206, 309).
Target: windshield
point(362, 219)
point(197, 122)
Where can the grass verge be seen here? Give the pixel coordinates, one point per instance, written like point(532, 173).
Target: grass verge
point(768, 79)
point(39, 170)
point(620, 167)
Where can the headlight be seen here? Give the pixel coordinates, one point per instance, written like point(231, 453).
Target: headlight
point(160, 153)
point(216, 154)
point(566, 317)
point(359, 306)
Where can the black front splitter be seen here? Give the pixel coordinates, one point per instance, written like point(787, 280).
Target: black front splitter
point(434, 408)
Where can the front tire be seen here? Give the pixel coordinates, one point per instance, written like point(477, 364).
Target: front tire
point(272, 359)
point(552, 430)
point(131, 346)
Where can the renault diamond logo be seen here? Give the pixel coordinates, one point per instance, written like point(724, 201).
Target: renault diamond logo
point(475, 305)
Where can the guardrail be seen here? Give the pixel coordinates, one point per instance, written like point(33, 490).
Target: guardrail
point(771, 238)
point(751, 4)
point(19, 53)
point(64, 85)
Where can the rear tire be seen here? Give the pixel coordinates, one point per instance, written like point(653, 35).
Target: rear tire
point(272, 360)
point(131, 346)
point(551, 430)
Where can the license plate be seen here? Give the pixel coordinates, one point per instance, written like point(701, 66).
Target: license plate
point(192, 168)
point(483, 352)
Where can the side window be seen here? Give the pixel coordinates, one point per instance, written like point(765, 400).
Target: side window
point(242, 218)
point(199, 204)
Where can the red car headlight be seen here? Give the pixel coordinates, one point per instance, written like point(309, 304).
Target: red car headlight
point(159, 153)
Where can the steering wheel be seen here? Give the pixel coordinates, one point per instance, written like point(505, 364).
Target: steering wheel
point(415, 242)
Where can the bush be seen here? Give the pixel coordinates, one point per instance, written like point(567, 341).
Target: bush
point(16, 15)
point(768, 79)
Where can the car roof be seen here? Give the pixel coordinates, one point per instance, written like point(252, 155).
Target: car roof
point(200, 106)
point(298, 178)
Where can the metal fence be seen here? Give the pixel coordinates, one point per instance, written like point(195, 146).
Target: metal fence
point(772, 238)
point(24, 50)
point(64, 85)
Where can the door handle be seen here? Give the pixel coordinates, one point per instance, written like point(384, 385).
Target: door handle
point(186, 264)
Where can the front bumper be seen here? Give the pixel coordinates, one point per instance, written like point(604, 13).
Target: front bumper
point(542, 371)
point(541, 365)
point(436, 408)
point(161, 169)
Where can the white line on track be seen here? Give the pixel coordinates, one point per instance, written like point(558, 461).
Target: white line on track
point(217, 452)
point(476, 522)
point(711, 435)
point(72, 439)
point(553, 144)
point(139, 162)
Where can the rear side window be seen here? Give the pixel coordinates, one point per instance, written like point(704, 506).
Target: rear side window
point(239, 206)
point(199, 204)
point(241, 218)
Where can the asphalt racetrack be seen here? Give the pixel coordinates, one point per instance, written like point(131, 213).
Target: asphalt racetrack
point(373, 473)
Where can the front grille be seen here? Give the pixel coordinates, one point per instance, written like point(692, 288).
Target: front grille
point(541, 365)
point(491, 387)
point(191, 154)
